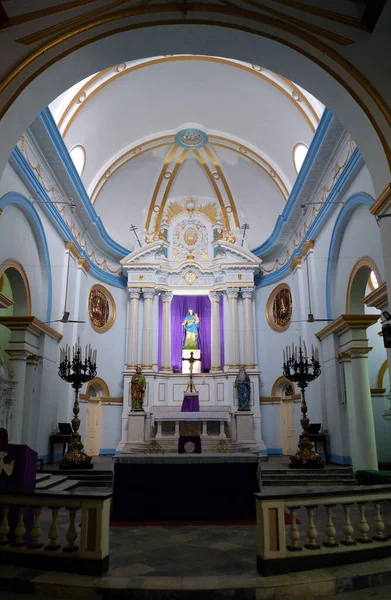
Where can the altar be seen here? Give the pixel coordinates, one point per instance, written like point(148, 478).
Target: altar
point(191, 294)
point(185, 487)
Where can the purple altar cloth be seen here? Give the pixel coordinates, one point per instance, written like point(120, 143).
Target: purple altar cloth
point(190, 404)
point(21, 475)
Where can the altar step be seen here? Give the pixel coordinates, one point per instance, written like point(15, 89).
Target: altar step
point(55, 483)
point(310, 477)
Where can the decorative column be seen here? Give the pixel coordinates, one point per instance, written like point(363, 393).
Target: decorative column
point(345, 360)
point(166, 332)
point(134, 296)
point(233, 294)
point(31, 363)
point(147, 328)
point(365, 428)
point(215, 327)
point(18, 362)
point(248, 332)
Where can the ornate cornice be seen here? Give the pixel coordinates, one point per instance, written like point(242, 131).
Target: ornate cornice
point(83, 262)
point(73, 249)
point(296, 262)
point(378, 298)
point(382, 202)
point(5, 302)
point(306, 247)
point(346, 323)
point(32, 324)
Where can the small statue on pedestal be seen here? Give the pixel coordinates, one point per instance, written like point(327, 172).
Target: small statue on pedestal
point(137, 386)
point(243, 385)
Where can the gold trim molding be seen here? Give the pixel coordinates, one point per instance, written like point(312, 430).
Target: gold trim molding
point(113, 308)
point(346, 323)
point(382, 202)
point(72, 248)
point(269, 308)
point(5, 302)
point(33, 324)
point(378, 298)
point(14, 264)
point(306, 247)
point(381, 373)
point(366, 261)
point(83, 262)
point(296, 262)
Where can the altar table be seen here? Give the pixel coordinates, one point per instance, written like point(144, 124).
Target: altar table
point(184, 487)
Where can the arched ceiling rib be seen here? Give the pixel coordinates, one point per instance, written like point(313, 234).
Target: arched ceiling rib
point(309, 108)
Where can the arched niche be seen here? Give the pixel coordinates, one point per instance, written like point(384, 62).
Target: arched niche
point(19, 285)
point(381, 375)
point(97, 388)
point(283, 387)
point(60, 62)
point(357, 285)
point(22, 204)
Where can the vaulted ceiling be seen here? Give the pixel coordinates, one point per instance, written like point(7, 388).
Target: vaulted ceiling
point(127, 119)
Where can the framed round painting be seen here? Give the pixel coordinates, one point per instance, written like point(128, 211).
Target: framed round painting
point(279, 308)
point(101, 308)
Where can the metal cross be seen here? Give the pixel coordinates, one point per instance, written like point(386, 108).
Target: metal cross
point(191, 360)
point(134, 229)
point(244, 228)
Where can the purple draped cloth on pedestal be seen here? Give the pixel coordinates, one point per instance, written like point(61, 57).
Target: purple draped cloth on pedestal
point(190, 404)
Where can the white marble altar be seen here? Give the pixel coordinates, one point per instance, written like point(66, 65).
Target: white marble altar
point(191, 252)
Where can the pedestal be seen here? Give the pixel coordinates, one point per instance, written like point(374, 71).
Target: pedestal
point(136, 427)
point(186, 364)
point(244, 427)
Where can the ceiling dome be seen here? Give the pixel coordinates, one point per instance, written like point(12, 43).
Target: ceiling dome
point(159, 130)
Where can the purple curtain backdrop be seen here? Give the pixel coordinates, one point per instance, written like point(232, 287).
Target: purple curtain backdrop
point(179, 307)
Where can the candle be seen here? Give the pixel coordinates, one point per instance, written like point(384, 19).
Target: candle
point(283, 354)
point(316, 355)
point(312, 350)
point(94, 357)
point(305, 350)
point(296, 353)
point(300, 341)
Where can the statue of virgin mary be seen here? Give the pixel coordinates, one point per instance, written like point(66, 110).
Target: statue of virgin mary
point(191, 325)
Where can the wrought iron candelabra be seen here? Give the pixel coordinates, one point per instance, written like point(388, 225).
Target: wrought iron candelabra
point(300, 369)
point(76, 372)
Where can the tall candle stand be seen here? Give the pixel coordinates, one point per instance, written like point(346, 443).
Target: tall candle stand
point(299, 369)
point(77, 372)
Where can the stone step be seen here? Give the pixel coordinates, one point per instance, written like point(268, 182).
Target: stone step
point(42, 477)
point(297, 477)
point(312, 483)
point(343, 470)
point(51, 482)
point(65, 486)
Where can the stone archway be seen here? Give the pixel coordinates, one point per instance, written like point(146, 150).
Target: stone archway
point(357, 285)
point(16, 277)
point(78, 50)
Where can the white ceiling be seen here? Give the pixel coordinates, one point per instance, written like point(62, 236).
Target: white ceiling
point(229, 99)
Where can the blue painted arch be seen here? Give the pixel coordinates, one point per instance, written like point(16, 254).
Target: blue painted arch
point(25, 206)
point(352, 203)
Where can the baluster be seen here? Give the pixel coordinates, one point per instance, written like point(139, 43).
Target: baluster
point(71, 533)
point(363, 526)
point(53, 531)
point(294, 533)
point(36, 531)
point(4, 527)
point(348, 527)
point(20, 529)
point(312, 532)
point(379, 525)
point(330, 529)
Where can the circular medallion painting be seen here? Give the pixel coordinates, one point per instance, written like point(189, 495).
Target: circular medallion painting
point(189, 447)
point(279, 308)
point(101, 308)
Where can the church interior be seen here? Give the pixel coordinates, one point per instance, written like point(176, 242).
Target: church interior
point(195, 276)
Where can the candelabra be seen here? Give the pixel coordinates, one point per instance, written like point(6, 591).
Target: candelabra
point(76, 372)
point(301, 370)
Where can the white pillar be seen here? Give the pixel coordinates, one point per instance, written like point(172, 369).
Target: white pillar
point(365, 428)
point(134, 295)
point(248, 332)
point(18, 365)
point(166, 332)
point(31, 363)
point(147, 328)
point(233, 294)
point(347, 369)
point(215, 327)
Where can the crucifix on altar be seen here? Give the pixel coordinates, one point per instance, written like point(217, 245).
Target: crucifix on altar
point(191, 386)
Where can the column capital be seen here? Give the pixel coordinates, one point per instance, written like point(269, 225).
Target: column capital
point(166, 296)
point(134, 293)
point(232, 293)
point(359, 351)
point(247, 292)
point(214, 296)
point(148, 293)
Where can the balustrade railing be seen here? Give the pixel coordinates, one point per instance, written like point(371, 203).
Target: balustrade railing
point(64, 531)
point(318, 528)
